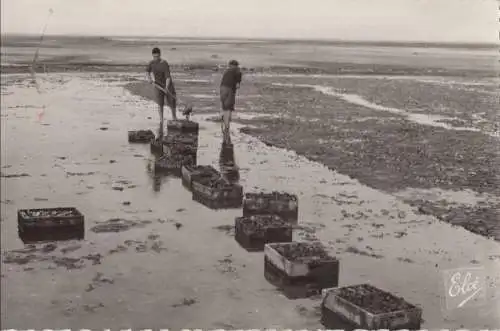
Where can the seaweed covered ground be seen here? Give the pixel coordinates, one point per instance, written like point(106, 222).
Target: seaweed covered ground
point(426, 140)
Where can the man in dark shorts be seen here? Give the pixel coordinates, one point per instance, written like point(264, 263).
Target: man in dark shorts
point(162, 78)
point(230, 83)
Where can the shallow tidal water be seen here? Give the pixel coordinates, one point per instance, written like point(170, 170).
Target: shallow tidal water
point(71, 142)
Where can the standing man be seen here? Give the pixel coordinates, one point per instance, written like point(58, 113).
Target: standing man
point(230, 83)
point(162, 78)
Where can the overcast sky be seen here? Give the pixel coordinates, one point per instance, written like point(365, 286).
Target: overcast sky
point(405, 20)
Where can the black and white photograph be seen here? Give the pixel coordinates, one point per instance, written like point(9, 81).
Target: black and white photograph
point(250, 165)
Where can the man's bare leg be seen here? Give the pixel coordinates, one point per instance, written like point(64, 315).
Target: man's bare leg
point(160, 110)
point(221, 119)
point(174, 113)
point(226, 122)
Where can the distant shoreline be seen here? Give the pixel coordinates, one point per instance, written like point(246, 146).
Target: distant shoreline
point(308, 69)
point(333, 42)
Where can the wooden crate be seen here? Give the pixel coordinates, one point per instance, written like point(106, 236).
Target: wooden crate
point(180, 150)
point(48, 224)
point(190, 172)
point(140, 136)
point(253, 232)
point(367, 307)
point(187, 146)
point(183, 125)
point(220, 196)
point(281, 204)
point(300, 274)
point(181, 139)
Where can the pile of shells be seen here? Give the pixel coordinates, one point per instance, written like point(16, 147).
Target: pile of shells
point(373, 299)
point(298, 251)
point(259, 223)
point(45, 213)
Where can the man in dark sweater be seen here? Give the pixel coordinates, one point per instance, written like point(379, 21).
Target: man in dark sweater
point(163, 79)
point(230, 83)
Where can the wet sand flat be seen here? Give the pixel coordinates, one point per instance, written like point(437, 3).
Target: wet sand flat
point(153, 273)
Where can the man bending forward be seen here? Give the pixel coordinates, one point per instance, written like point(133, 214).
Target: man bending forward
point(162, 78)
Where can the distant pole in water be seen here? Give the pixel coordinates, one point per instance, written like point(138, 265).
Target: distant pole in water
point(35, 58)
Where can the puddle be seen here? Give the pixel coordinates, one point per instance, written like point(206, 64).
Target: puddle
point(422, 119)
point(203, 96)
point(426, 79)
point(194, 80)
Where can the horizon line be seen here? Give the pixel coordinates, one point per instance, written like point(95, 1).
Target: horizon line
point(338, 40)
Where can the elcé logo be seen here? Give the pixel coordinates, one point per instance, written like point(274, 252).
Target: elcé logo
point(465, 287)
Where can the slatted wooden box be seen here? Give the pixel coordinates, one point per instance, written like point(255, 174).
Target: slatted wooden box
point(300, 269)
point(367, 307)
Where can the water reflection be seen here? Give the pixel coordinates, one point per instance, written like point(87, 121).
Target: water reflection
point(228, 167)
point(156, 176)
point(33, 237)
point(170, 153)
point(157, 145)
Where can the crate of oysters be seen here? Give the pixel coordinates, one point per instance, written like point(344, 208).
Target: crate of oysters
point(367, 307)
point(140, 136)
point(49, 224)
point(253, 232)
point(180, 139)
point(282, 204)
point(193, 172)
point(217, 193)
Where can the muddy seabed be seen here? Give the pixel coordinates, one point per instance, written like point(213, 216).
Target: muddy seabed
point(155, 259)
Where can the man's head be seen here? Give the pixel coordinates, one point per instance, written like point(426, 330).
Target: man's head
point(156, 53)
point(233, 64)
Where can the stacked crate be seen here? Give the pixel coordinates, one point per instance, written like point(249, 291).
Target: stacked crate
point(192, 173)
point(282, 204)
point(299, 269)
point(183, 126)
point(267, 218)
point(215, 192)
point(180, 147)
